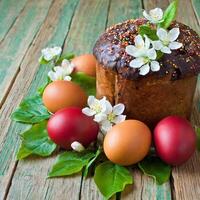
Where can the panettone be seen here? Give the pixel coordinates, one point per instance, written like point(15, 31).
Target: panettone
point(148, 98)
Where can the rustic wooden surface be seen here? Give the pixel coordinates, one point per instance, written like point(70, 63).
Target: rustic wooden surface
point(27, 26)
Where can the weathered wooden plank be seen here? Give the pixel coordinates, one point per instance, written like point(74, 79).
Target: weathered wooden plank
point(196, 7)
point(187, 16)
point(53, 31)
point(89, 21)
point(17, 41)
point(120, 12)
point(186, 178)
point(9, 11)
point(151, 4)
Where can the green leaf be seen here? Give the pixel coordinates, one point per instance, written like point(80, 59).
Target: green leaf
point(23, 152)
point(88, 83)
point(111, 178)
point(169, 15)
point(159, 55)
point(148, 31)
point(41, 89)
point(156, 168)
point(70, 162)
point(35, 141)
point(67, 56)
point(198, 138)
point(42, 61)
point(91, 162)
point(31, 110)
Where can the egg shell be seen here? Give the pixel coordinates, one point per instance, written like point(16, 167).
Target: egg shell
point(175, 140)
point(63, 94)
point(69, 125)
point(127, 142)
point(85, 63)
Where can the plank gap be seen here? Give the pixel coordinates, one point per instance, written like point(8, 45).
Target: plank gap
point(12, 82)
point(10, 181)
point(13, 22)
point(108, 11)
point(9, 88)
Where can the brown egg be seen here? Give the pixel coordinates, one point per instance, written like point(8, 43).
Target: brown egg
point(127, 142)
point(63, 94)
point(85, 63)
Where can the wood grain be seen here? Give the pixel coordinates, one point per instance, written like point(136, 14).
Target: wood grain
point(88, 23)
point(187, 15)
point(9, 11)
point(53, 31)
point(151, 4)
point(17, 41)
point(196, 7)
point(128, 10)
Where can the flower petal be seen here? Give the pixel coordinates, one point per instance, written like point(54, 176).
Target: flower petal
point(65, 63)
point(106, 126)
point(155, 66)
point(51, 75)
point(175, 45)
point(173, 34)
point(151, 54)
point(162, 34)
point(100, 117)
point(147, 42)
point(144, 70)
point(56, 50)
point(157, 44)
point(119, 118)
point(146, 15)
point(90, 101)
point(166, 49)
point(108, 107)
point(102, 104)
point(67, 78)
point(89, 112)
point(137, 63)
point(130, 49)
point(156, 14)
point(139, 42)
point(77, 146)
point(118, 109)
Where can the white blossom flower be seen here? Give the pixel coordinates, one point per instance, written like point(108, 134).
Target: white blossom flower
point(97, 108)
point(104, 113)
point(146, 62)
point(113, 117)
point(155, 15)
point(50, 53)
point(77, 146)
point(62, 72)
point(166, 41)
point(140, 47)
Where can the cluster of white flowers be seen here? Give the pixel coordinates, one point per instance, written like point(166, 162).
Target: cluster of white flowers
point(104, 113)
point(62, 72)
point(50, 53)
point(144, 51)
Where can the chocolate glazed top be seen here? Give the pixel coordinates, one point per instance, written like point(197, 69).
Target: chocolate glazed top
point(110, 51)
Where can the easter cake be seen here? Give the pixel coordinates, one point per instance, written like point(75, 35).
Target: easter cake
point(155, 75)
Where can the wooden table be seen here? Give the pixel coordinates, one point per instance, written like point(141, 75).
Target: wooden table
point(27, 26)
